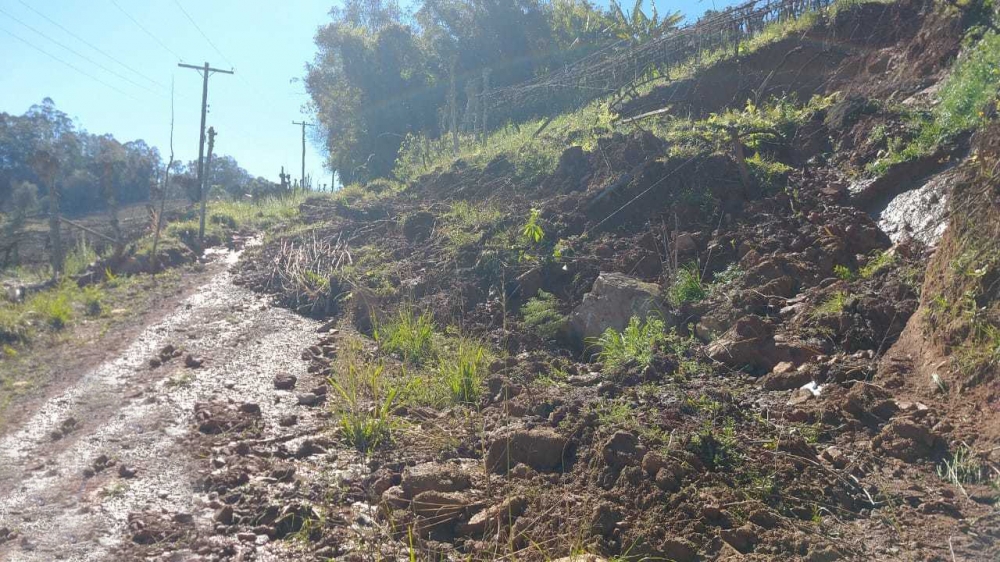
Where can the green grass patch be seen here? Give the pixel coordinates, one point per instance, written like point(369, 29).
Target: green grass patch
point(637, 342)
point(364, 398)
point(462, 372)
point(687, 286)
point(877, 262)
point(834, 305)
point(963, 104)
point(408, 334)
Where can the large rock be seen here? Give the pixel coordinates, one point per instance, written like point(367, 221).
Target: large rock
point(614, 299)
point(541, 449)
point(749, 344)
point(433, 477)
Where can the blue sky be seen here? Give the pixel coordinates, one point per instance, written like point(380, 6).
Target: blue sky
point(122, 70)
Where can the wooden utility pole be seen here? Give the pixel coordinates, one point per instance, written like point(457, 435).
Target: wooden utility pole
point(452, 102)
point(205, 72)
point(302, 181)
point(204, 197)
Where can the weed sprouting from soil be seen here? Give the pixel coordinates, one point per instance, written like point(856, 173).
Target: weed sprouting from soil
point(962, 467)
point(833, 305)
point(408, 334)
point(366, 399)
point(462, 372)
point(637, 342)
point(687, 286)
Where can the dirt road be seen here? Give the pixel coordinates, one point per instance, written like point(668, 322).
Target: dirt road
point(66, 483)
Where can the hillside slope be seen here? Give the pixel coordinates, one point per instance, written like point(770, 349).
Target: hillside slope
point(762, 324)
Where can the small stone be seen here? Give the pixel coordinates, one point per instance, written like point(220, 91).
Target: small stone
point(229, 384)
point(284, 381)
point(126, 471)
point(183, 518)
point(800, 396)
point(250, 408)
point(246, 537)
point(192, 362)
point(154, 363)
point(835, 456)
point(288, 420)
point(309, 399)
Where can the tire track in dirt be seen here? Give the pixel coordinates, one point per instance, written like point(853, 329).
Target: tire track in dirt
point(141, 418)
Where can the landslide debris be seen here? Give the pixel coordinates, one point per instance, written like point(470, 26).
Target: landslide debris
point(488, 386)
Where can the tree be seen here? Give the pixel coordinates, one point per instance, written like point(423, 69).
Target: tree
point(23, 202)
point(636, 27)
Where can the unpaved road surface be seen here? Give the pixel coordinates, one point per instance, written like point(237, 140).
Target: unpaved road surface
point(64, 507)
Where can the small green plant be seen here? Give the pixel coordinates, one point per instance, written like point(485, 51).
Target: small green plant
point(408, 334)
point(637, 342)
point(542, 316)
point(963, 467)
point(878, 262)
point(687, 286)
point(93, 300)
point(364, 408)
point(54, 307)
point(462, 372)
point(843, 273)
point(532, 232)
point(833, 305)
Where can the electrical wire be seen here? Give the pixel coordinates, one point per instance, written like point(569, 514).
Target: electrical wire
point(77, 53)
point(50, 55)
point(146, 31)
point(91, 45)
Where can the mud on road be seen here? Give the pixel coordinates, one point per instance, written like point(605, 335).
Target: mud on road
point(115, 440)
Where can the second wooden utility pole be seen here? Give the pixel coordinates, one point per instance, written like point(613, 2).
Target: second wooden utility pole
point(205, 71)
point(204, 192)
point(302, 181)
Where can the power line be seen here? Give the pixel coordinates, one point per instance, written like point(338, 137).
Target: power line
point(140, 26)
point(195, 24)
point(208, 40)
point(77, 53)
point(50, 55)
point(89, 44)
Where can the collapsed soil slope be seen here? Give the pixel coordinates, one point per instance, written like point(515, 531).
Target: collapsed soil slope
point(817, 389)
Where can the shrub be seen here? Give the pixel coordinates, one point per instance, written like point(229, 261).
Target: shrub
point(542, 316)
point(637, 342)
point(408, 334)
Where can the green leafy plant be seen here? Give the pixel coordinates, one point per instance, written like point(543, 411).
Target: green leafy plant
point(408, 334)
point(833, 305)
point(637, 342)
point(541, 315)
point(843, 273)
point(532, 232)
point(93, 300)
